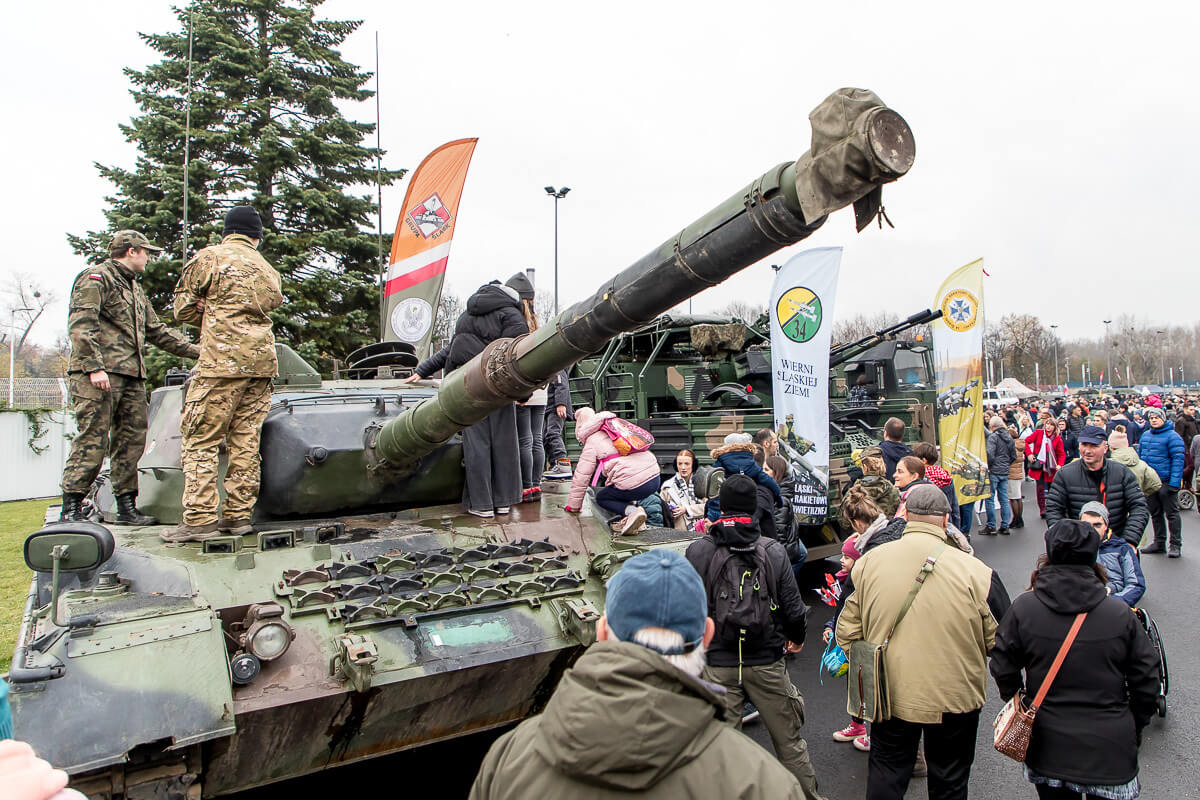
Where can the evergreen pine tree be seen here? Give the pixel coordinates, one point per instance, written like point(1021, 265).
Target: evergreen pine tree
point(265, 130)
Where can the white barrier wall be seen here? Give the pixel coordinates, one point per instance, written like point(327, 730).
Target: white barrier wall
point(23, 473)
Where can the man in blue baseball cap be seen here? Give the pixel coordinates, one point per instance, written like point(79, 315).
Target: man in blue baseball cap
point(1096, 477)
point(633, 715)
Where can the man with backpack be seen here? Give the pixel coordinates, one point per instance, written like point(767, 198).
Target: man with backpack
point(755, 604)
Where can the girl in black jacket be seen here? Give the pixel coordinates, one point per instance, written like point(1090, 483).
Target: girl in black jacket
point(1087, 732)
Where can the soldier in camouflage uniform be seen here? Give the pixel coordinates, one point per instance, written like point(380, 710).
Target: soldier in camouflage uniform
point(228, 290)
point(879, 488)
point(109, 322)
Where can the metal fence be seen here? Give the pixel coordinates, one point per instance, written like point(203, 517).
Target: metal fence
point(35, 393)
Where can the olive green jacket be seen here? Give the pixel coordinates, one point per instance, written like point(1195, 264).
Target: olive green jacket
point(936, 662)
point(110, 320)
point(1147, 478)
point(625, 722)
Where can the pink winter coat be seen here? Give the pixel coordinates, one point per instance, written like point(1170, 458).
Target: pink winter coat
point(623, 472)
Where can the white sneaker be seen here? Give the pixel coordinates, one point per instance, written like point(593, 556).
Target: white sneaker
point(559, 471)
point(502, 509)
point(633, 522)
point(484, 514)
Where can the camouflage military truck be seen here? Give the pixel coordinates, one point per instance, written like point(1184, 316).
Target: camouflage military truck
point(367, 613)
point(691, 380)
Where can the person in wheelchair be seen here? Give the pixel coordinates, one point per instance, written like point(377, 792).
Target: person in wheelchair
point(1118, 557)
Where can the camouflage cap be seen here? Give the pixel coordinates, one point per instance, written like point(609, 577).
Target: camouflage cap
point(128, 238)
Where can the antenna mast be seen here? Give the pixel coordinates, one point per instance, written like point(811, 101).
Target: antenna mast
point(379, 190)
point(187, 133)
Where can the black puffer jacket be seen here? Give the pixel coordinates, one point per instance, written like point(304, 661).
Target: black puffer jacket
point(1075, 485)
point(1088, 728)
point(791, 623)
point(1001, 452)
point(492, 313)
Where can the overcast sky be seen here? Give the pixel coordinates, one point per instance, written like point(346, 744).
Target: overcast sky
point(1054, 140)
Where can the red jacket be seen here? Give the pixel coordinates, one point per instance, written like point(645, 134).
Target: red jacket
point(1033, 446)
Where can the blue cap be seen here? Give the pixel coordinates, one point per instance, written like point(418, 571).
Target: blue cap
point(658, 589)
point(1092, 434)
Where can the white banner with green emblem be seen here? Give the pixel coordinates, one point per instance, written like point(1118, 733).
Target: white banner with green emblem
point(802, 302)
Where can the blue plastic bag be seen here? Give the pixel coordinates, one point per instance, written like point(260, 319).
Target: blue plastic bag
point(833, 661)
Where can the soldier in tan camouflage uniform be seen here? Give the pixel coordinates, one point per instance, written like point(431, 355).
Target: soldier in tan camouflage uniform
point(109, 322)
point(227, 290)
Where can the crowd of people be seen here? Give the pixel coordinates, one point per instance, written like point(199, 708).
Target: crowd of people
point(1132, 454)
point(906, 524)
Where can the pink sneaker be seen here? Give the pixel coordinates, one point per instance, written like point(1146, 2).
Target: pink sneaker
point(863, 743)
point(850, 732)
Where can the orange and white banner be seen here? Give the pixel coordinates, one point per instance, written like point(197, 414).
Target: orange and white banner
point(421, 245)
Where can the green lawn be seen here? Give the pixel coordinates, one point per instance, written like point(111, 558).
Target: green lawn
point(18, 519)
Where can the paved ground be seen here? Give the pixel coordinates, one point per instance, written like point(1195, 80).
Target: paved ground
point(1168, 756)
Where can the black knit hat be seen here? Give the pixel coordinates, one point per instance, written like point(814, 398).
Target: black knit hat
point(1070, 541)
point(244, 220)
point(521, 283)
point(739, 496)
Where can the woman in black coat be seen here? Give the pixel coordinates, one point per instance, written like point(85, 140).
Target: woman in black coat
point(1087, 732)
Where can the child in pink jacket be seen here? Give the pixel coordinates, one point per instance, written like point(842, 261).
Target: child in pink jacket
point(628, 479)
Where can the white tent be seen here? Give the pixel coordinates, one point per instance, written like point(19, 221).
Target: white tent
point(1016, 387)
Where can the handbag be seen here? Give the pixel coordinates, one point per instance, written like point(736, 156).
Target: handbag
point(1013, 726)
point(867, 696)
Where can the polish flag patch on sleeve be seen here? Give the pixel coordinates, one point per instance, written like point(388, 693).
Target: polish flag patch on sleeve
point(96, 276)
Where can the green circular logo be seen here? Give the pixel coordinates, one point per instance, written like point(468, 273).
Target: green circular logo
point(799, 314)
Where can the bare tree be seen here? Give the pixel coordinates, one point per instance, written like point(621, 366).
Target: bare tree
point(450, 308)
point(27, 302)
point(744, 310)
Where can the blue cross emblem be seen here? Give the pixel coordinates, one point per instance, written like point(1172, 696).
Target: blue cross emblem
point(960, 310)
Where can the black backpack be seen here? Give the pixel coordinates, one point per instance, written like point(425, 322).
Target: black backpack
point(741, 588)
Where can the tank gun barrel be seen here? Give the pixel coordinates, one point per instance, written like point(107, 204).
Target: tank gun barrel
point(844, 352)
point(858, 144)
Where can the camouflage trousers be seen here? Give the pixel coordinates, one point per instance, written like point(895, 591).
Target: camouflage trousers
point(111, 423)
point(231, 410)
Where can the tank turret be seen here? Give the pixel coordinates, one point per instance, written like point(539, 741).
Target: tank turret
point(858, 144)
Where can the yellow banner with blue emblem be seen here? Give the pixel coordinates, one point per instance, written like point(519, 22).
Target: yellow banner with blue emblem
point(958, 361)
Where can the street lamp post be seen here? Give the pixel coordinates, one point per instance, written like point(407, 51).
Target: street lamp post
point(1162, 359)
point(557, 194)
point(1054, 336)
point(12, 354)
point(1107, 354)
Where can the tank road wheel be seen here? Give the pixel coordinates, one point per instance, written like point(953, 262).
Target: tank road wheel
point(1187, 500)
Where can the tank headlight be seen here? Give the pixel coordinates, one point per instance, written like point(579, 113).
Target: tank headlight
point(270, 641)
point(265, 633)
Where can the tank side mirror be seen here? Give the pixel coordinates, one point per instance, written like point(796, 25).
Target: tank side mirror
point(67, 547)
point(77, 547)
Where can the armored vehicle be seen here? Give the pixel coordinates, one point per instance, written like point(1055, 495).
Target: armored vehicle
point(691, 380)
point(363, 615)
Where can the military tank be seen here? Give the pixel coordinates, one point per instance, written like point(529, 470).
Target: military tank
point(362, 617)
point(692, 379)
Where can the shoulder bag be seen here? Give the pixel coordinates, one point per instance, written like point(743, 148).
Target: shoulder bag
point(867, 696)
point(1014, 724)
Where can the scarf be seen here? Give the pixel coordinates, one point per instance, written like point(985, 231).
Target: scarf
point(1046, 454)
point(879, 524)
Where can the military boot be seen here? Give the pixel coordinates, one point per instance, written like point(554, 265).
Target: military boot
point(190, 533)
point(128, 514)
point(236, 527)
point(72, 507)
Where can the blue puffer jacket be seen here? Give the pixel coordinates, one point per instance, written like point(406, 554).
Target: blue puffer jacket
point(1125, 579)
point(1162, 448)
